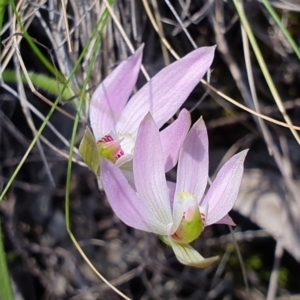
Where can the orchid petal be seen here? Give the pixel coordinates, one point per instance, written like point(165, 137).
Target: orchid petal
point(124, 201)
point(172, 138)
point(165, 92)
point(227, 220)
point(111, 95)
point(89, 151)
point(224, 190)
point(149, 174)
point(192, 169)
point(190, 257)
point(192, 172)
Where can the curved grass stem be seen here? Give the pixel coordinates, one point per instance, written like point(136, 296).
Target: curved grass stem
point(263, 66)
point(283, 29)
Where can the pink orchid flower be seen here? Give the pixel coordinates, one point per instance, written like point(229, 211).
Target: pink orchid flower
point(177, 213)
point(115, 120)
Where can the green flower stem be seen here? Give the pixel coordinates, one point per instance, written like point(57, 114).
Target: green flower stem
point(99, 32)
point(40, 81)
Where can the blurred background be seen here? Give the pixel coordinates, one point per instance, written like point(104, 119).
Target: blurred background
point(256, 64)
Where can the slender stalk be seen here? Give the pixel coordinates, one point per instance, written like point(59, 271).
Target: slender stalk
point(99, 31)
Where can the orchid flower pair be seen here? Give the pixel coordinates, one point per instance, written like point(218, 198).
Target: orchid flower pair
point(115, 121)
point(130, 156)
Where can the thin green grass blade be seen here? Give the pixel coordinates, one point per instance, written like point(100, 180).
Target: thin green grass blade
point(99, 29)
point(35, 49)
point(263, 66)
point(6, 292)
point(53, 108)
point(32, 144)
point(3, 4)
point(283, 29)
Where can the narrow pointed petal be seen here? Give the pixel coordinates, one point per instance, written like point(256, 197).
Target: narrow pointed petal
point(224, 190)
point(227, 220)
point(149, 173)
point(192, 169)
point(192, 172)
point(124, 201)
point(172, 138)
point(89, 151)
point(165, 92)
point(190, 257)
point(110, 97)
